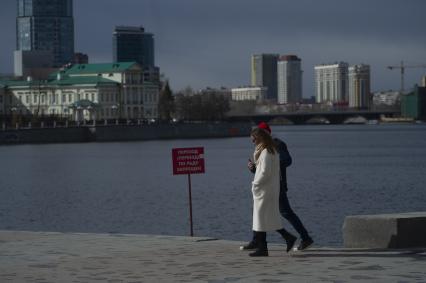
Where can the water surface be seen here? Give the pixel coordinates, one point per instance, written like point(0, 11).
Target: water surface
point(128, 187)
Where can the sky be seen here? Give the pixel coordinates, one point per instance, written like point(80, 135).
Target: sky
point(209, 43)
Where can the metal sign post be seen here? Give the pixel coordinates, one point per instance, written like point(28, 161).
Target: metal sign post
point(188, 161)
point(190, 205)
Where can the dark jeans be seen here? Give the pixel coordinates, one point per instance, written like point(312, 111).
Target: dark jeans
point(288, 213)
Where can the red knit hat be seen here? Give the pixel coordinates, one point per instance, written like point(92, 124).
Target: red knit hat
point(264, 126)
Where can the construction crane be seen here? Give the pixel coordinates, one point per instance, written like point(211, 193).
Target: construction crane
point(402, 68)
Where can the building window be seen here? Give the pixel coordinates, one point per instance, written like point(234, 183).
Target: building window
point(128, 97)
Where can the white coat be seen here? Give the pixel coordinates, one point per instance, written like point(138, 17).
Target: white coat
point(266, 190)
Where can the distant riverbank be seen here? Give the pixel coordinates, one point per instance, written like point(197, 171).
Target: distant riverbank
point(124, 133)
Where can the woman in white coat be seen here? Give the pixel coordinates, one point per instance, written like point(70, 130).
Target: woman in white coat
point(265, 190)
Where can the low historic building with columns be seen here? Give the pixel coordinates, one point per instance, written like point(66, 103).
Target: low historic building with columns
point(85, 92)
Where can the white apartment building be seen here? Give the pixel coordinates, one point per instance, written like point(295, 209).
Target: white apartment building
point(249, 93)
point(331, 82)
point(289, 79)
point(87, 91)
point(359, 86)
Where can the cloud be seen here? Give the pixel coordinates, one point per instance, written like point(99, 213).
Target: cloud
point(209, 43)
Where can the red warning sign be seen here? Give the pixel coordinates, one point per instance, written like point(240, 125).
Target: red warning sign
point(188, 160)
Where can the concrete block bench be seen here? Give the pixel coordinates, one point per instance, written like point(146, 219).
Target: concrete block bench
point(383, 231)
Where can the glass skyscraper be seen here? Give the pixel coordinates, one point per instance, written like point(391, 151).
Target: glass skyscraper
point(264, 73)
point(133, 44)
point(46, 25)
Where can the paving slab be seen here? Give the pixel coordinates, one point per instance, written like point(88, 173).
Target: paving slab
point(78, 257)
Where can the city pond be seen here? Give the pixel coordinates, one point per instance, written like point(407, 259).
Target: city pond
point(129, 187)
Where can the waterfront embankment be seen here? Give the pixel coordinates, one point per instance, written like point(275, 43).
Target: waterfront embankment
point(123, 133)
point(72, 257)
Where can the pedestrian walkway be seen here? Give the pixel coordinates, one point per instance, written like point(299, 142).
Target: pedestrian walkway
point(74, 257)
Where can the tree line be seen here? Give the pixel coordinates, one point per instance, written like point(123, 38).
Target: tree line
point(187, 105)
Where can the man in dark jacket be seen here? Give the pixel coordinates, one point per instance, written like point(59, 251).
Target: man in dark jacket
point(285, 208)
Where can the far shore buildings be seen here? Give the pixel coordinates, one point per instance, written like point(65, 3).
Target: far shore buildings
point(413, 104)
point(359, 86)
point(386, 98)
point(331, 82)
point(264, 73)
point(289, 78)
point(280, 75)
point(85, 92)
point(256, 93)
point(342, 84)
point(134, 44)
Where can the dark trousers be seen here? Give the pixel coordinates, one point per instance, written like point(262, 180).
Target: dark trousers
point(288, 213)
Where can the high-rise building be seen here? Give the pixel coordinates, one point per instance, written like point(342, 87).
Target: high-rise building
point(359, 86)
point(331, 82)
point(423, 82)
point(133, 44)
point(289, 79)
point(264, 73)
point(46, 25)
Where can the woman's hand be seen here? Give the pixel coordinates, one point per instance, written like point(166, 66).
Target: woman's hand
point(250, 165)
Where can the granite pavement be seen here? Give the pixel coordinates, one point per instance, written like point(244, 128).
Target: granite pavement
point(82, 257)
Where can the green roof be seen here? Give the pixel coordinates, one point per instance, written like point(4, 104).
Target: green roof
point(81, 80)
point(21, 83)
point(99, 68)
point(66, 80)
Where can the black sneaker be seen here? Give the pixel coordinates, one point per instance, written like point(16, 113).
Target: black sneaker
point(290, 242)
point(259, 252)
point(305, 244)
point(249, 247)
